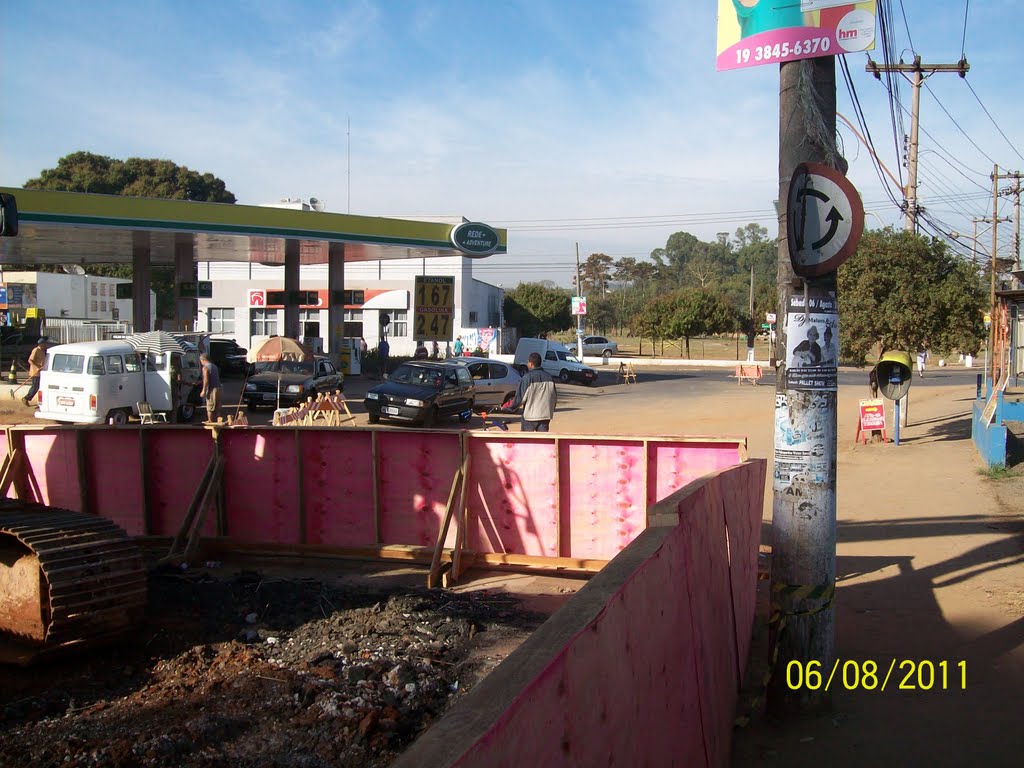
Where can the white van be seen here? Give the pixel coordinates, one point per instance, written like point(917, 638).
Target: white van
point(557, 359)
point(97, 382)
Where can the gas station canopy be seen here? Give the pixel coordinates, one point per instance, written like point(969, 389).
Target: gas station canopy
point(80, 228)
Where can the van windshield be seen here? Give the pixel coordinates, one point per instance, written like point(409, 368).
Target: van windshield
point(567, 357)
point(67, 363)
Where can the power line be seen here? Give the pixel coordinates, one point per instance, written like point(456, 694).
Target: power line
point(963, 40)
point(958, 126)
point(994, 121)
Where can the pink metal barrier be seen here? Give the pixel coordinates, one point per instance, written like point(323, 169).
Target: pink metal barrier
point(642, 666)
point(582, 498)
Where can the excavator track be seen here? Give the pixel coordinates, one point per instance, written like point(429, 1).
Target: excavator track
point(67, 579)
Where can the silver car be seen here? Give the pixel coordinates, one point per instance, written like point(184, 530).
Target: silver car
point(495, 382)
point(599, 346)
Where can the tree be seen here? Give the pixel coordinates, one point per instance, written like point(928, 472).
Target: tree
point(594, 274)
point(698, 313)
point(903, 291)
point(534, 309)
point(134, 177)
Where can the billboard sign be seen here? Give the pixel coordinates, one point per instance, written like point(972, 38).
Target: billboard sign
point(755, 32)
point(433, 308)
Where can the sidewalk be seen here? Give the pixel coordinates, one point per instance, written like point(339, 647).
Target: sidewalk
point(930, 568)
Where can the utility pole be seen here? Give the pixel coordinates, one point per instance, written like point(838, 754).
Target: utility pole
point(579, 318)
point(920, 72)
point(803, 569)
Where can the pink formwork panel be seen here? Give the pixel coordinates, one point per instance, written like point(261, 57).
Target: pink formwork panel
point(743, 511)
point(512, 496)
point(53, 459)
point(624, 691)
point(112, 469)
point(176, 460)
point(705, 555)
point(337, 477)
point(261, 485)
point(415, 475)
point(671, 465)
point(602, 495)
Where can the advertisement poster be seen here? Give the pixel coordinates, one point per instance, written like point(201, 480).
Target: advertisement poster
point(755, 32)
point(872, 415)
point(812, 343)
point(804, 444)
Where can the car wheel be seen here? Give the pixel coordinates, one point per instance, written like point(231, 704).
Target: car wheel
point(563, 376)
point(373, 418)
point(607, 354)
point(117, 417)
point(186, 411)
point(430, 419)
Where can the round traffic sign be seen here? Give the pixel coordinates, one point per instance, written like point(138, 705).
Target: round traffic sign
point(824, 218)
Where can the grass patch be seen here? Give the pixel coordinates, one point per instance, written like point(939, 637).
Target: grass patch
point(997, 472)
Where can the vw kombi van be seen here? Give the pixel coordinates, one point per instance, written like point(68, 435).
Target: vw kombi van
point(99, 382)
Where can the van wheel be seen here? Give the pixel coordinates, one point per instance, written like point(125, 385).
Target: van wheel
point(563, 376)
point(186, 411)
point(117, 417)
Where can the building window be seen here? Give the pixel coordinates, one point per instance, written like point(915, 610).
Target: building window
point(472, 317)
point(399, 323)
point(93, 289)
point(222, 319)
point(309, 322)
point(103, 289)
point(353, 315)
point(263, 322)
point(103, 306)
point(354, 297)
point(94, 305)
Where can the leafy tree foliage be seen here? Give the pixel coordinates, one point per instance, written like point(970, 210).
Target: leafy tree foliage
point(534, 309)
point(595, 273)
point(903, 291)
point(134, 177)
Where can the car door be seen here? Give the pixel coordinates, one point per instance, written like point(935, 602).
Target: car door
point(451, 398)
point(483, 385)
point(326, 377)
point(503, 382)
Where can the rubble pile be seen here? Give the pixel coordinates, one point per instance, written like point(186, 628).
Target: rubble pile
point(253, 671)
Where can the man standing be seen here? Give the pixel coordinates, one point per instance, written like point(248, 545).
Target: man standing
point(458, 347)
point(383, 351)
point(537, 395)
point(211, 388)
point(36, 361)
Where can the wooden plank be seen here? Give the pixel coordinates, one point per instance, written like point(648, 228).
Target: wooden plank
point(449, 508)
point(462, 519)
point(559, 511)
point(545, 563)
point(193, 507)
point(209, 497)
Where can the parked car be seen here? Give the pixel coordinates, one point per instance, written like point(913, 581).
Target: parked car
point(228, 356)
point(286, 383)
point(423, 392)
point(556, 359)
point(599, 346)
point(494, 381)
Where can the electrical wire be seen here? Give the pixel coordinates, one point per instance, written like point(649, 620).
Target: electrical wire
point(905, 24)
point(963, 40)
point(958, 126)
point(993, 120)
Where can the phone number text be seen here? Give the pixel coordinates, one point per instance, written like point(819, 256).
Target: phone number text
point(779, 51)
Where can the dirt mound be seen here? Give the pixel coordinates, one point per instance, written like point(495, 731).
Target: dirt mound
point(253, 671)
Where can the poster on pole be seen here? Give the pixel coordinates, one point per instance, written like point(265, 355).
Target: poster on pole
point(579, 305)
point(812, 342)
point(756, 32)
point(433, 308)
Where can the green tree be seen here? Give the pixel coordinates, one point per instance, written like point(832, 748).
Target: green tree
point(595, 273)
point(902, 291)
point(134, 177)
point(534, 309)
point(699, 313)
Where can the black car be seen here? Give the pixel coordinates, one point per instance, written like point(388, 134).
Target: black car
point(287, 382)
point(228, 356)
point(422, 393)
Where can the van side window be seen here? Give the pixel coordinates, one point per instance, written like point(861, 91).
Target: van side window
point(549, 355)
point(131, 363)
point(67, 363)
point(96, 366)
point(114, 364)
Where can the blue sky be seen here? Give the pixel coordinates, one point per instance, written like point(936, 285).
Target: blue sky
point(602, 123)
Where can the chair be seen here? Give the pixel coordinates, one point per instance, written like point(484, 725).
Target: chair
point(148, 416)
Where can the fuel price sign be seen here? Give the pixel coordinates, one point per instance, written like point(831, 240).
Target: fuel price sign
point(433, 308)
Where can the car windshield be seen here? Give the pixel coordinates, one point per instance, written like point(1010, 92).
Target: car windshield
point(284, 366)
point(567, 357)
point(420, 376)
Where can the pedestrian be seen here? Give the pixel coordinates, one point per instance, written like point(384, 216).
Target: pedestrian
point(922, 358)
point(383, 350)
point(36, 361)
point(458, 347)
point(537, 395)
point(435, 351)
point(421, 351)
point(211, 387)
point(363, 348)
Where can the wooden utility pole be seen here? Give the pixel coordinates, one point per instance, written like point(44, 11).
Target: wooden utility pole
point(579, 318)
point(919, 72)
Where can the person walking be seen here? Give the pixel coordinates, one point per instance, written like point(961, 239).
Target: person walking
point(363, 347)
point(458, 347)
point(922, 358)
point(36, 361)
point(211, 387)
point(537, 395)
point(383, 351)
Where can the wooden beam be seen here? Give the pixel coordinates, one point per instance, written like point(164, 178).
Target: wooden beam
point(542, 563)
point(462, 525)
point(449, 509)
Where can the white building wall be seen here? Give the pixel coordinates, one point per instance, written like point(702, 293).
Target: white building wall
point(79, 297)
point(232, 282)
